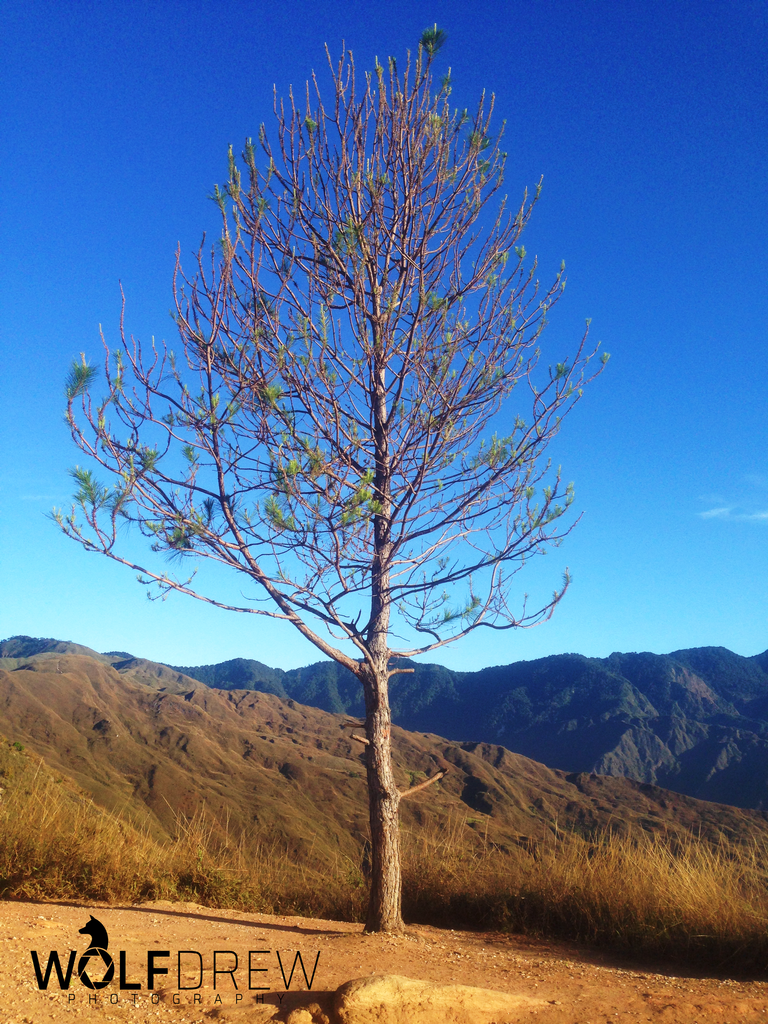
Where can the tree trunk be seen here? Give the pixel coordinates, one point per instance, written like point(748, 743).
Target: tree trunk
point(383, 795)
point(383, 802)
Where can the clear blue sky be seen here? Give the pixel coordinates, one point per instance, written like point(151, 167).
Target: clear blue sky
point(648, 120)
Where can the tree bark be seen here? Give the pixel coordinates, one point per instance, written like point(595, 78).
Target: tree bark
point(383, 795)
point(384, 799)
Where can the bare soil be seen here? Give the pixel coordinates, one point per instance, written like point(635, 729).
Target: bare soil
point(574, 986)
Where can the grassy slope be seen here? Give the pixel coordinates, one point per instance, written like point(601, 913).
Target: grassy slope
point(688, 901)
point(293, 771)
point(247, 800)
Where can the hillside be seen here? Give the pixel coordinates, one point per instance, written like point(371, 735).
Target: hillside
point(268, 763)
point(694, 721)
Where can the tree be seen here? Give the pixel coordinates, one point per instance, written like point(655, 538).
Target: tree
point(339, 429)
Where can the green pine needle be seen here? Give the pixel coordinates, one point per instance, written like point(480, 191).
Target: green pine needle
point(79, 378)
point(432, 39)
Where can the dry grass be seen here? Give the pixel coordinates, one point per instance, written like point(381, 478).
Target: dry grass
point(56, 843)
point(659, 896)
point(676, 898)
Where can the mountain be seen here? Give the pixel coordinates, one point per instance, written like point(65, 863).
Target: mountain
point(243, 674)
point(18, 650)
point(29, 646)
point(266, 763)
point(694, 721)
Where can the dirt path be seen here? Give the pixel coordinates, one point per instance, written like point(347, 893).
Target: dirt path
point(570, 986)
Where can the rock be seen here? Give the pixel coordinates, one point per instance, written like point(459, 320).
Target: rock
point(391, 999)
point(318, 1016)
point(299, 1017)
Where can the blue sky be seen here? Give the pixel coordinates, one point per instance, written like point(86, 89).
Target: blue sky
point(648, 121)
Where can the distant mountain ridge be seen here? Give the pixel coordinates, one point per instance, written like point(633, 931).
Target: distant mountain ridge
point(694, 721)
point(284, 771)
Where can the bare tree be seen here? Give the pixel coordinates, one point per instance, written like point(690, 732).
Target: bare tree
point(339, 430)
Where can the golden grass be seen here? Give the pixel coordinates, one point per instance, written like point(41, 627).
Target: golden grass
point(672, 898)
point(56, 843)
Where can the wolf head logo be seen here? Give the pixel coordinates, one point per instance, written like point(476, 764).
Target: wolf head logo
point(97, 949)
point(98, 933)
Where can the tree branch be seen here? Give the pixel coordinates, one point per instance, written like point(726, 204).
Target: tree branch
point(423, 785)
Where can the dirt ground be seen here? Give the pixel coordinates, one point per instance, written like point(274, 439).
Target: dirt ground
point(254, 955)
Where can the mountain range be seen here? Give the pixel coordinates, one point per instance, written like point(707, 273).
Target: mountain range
point(694, 721)
point(151, 742)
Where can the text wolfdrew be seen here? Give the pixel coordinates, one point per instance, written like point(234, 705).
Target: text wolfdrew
point(187, 960)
